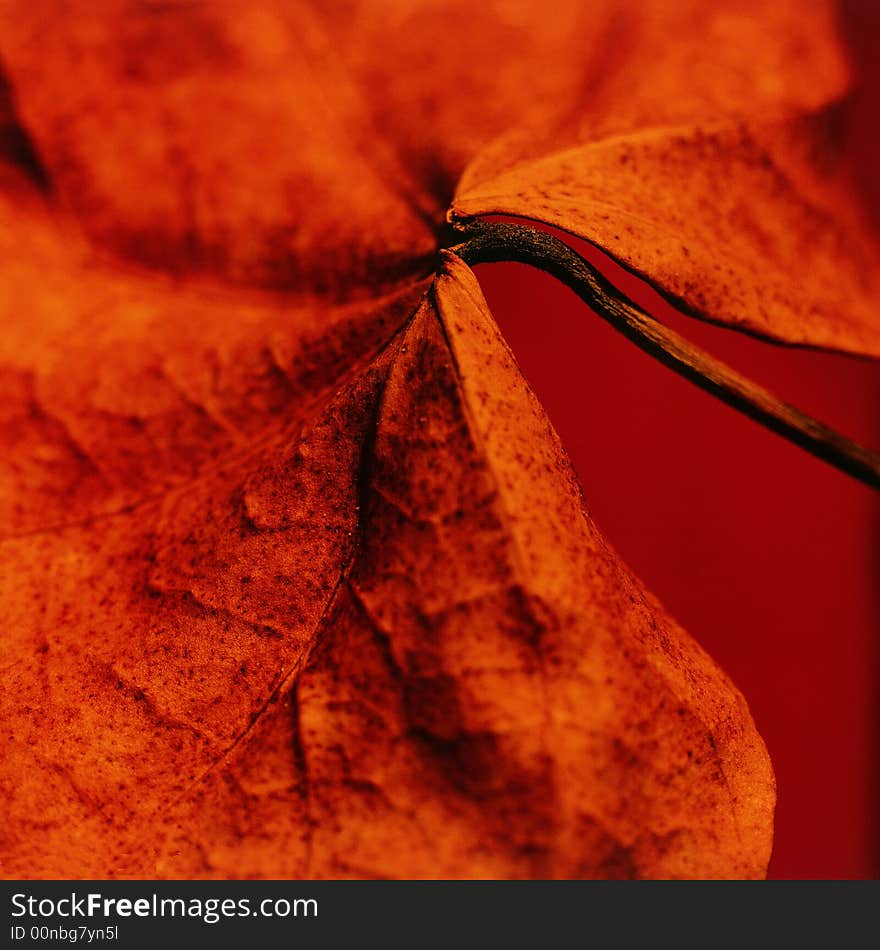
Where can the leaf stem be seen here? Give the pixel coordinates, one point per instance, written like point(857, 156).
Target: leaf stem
point(485, 243)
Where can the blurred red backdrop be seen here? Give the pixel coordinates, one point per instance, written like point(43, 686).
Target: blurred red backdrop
point(769, 557)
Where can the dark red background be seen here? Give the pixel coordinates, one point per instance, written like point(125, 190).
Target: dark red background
point(770, 558)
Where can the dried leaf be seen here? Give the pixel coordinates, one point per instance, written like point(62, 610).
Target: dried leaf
point(297, 580)
point(387, 642)
point(746, 224)
point(715, 175)
point(291, 144)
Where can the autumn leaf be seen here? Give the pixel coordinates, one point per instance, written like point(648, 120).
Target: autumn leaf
point(298, 580)
point(658, 201)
